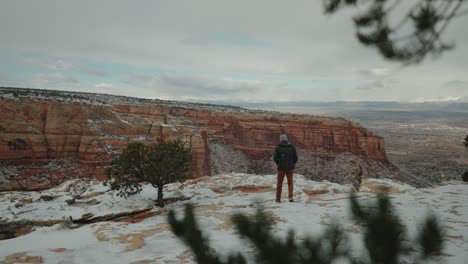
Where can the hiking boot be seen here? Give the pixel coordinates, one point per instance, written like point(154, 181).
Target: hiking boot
point(291, 200)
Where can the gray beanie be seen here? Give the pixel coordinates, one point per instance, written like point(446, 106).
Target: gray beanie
point(283, 137)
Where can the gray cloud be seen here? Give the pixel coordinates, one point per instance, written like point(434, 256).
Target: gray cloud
point(456, 87)
point(372, 85)
point(375, 78)
point(93, 72)
point(202, 87)
point(259, 39)
point(103, 87)
point(210, 85)
point(62, 65)
point(374, 72)
point(51, 64)
point(7, 80)
point(54, 80)
point(456, 84)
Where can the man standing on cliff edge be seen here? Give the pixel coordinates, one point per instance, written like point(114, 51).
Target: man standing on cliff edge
point(285, 158)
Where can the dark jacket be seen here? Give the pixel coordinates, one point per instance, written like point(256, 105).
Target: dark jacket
point(285, 156)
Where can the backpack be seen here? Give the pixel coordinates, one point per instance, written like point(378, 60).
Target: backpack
point(286, 156)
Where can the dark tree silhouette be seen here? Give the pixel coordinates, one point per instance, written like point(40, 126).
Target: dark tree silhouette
point(465, 176)
point(466, 141)
point(409, 38)
point(156, 164)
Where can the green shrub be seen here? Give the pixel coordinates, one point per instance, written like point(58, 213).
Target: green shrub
point(158, 165)
point(465, 176)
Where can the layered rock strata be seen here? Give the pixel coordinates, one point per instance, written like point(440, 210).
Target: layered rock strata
point(80, 138)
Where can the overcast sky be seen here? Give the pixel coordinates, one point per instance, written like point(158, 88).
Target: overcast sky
point(213, 50)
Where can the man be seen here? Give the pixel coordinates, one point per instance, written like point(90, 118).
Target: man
point(285, 158)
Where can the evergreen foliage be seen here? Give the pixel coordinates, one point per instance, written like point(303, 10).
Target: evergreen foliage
point(416, 30)
point(431, 237)
point(187, 229)
point(158, 165)
point(465, 176)
point(274, 250)
point(384, 237)
point(384, 234)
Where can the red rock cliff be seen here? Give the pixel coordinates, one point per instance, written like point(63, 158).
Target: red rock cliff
point(38, 131)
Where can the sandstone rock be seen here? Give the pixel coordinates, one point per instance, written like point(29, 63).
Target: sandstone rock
point(87, 216)
point(377, 185)
point(138, 217)
point(253, 189)
point(82, 203)
point(51, 140)
point(58, 250)
point(87, 219)
point(12, 229)
point(17, 228)
point(21, 202)
point(26, 200)
point(47, 197)
point(315, 192)
point(21, 257)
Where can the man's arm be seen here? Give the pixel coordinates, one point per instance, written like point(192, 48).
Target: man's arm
point(276, 156)
point(296, 158)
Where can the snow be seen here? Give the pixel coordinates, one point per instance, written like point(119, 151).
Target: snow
point(141, 138)
point(120, 119)
point(216, 199)
point(7, 172)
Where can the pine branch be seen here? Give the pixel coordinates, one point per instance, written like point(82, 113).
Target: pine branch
point(188, 231)
point(431, 237)
point(383, 235)
point(430, 19)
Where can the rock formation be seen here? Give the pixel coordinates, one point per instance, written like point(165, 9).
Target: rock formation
point(45, 139)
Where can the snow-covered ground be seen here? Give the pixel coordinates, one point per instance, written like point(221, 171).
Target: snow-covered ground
point(216, 199)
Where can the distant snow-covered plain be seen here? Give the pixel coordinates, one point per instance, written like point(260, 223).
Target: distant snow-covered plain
point(215, 199)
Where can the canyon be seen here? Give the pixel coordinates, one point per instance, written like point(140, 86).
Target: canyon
point(48, 136)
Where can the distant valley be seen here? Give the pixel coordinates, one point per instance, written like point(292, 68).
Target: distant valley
point(424, 139)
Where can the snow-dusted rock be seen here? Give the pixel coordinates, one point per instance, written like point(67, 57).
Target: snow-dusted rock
point(148, 239)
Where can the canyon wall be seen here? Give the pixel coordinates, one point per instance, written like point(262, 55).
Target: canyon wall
point(44, 141)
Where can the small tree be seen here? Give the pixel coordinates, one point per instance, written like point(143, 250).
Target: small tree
point(465, 176)
point(466, 141)
point(158, 165)
point(383, 234)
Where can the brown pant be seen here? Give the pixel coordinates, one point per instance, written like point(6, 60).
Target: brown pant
point(279, 185)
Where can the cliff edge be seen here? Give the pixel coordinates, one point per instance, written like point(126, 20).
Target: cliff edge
point(48, 136)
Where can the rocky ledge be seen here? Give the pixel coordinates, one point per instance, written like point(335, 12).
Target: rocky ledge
point(146, 237)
